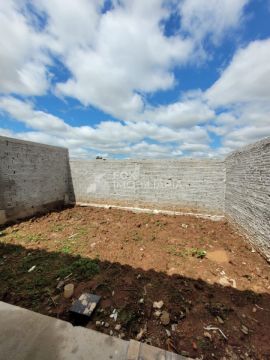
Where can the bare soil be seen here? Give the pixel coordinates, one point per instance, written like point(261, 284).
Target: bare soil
point(204, 272)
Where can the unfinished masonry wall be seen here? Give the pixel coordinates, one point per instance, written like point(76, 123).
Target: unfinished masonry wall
point(187, 183)
point(247, 199)
point(33, 178)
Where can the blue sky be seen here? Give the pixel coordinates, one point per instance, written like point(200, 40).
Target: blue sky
point(127, 79)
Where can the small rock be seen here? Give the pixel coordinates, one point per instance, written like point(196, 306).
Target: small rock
point(207, 335)
point(111, 333)
point(157, 313)
point(225, 281)
point(32, 268)
point(140, 334)
point(244, 330)
point(114, 315)
point(194, 345)
point(220, 320)
point(107, 325)
point(60, 284)
point(254, 309)
point(98, 323)
point(168, 332)
point(158, 304)
point(174, 327)
point(165, 318)
point(122, 335)
point(184, 226)
point(117, 327)
point(141, 301)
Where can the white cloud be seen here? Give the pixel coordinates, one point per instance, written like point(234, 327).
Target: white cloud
point(213, 18)
point(22, 59)
point(129, 54)
point(186, 113)
point(246, 79)
point(109, 137)
point(114, 59)
point(243, 92)
point(24, 112)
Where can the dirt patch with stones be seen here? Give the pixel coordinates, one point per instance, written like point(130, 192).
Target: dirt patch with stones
point(188, 285)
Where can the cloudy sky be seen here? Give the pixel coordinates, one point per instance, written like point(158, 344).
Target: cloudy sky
point(136, 78)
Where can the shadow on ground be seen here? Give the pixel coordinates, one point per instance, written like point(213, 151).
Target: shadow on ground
point(192, 305)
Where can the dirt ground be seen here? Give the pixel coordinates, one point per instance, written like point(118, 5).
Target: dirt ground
point(213, 287)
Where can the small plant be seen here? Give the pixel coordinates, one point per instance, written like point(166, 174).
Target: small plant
point(2, 233)
point(80, 268)
point(58, 228)
point(66, 249)
point(198, 253)
point(33, 238)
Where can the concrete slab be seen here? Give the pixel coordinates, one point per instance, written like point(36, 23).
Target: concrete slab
point(26, 335)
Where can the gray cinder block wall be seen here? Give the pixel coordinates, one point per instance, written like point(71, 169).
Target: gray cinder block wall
point(33, 178)
point(188, 183)
point(247, 195)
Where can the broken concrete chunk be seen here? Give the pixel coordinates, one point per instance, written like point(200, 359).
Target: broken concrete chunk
point(85, 305)
point(157, 313)
point(158, 304)
point(207, 335)
point(244, 330)
point(141, 334)
point(32, 268)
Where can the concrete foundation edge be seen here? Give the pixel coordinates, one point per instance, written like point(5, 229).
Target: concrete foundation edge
point(25, 334)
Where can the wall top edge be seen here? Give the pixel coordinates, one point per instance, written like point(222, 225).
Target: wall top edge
point(26, 142)
point(202, 160)
point(249, 147)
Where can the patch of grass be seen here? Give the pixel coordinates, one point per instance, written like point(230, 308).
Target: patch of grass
point(198, 253)
point(57, 228)
point(160, 223)
point(80, 268)
point(2, 234)
point(218, 309)
point(127, 316)
point(137, 237)
point(66, 249)
point(34, 238)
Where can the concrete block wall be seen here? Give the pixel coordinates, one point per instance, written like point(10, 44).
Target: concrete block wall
point(33, 178)
point(36, 178)
point(186, 183)
point(247, 196)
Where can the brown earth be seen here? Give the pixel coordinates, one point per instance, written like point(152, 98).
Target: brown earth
point(205, 273)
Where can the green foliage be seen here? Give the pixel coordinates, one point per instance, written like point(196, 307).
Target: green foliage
point(33, 238)
point(81, 268)
point(198, 253)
